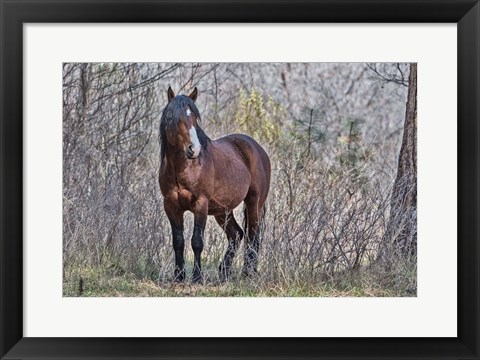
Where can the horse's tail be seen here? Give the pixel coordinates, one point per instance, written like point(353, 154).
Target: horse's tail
point(261, 226)
point(245, 220)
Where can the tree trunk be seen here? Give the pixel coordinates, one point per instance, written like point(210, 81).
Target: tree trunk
point(402, 228)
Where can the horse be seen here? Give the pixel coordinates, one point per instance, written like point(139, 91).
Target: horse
point(210, 177)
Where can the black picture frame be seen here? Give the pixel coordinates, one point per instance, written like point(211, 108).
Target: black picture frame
point(466, 13)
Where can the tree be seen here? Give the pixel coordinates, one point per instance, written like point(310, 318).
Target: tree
point(402, 228)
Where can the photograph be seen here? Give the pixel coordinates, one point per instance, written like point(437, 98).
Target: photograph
point(239, 179)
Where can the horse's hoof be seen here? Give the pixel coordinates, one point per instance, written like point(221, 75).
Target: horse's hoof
point(197, 278)
point(179, 276)
point(248, 273)
point(224, 277)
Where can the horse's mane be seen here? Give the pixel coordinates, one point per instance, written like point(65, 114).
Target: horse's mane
point(171, 117)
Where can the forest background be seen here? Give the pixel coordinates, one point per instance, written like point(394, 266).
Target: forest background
point(341, 217)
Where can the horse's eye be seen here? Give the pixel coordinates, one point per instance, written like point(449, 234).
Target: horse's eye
point(188, 112)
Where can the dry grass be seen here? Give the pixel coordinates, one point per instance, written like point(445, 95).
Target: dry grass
point(98, 282)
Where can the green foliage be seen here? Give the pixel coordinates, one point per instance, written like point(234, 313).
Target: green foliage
point(352, 155)
point(351, 143)
point(308, 130)
point(259, 118)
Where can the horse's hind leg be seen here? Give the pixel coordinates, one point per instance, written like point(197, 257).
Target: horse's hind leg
point(234, 235)
point(253, 217)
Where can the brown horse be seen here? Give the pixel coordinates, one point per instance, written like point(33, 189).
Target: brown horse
point(210, 177)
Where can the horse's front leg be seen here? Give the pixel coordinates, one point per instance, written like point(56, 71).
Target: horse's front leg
point(200, 212)
point(175, 216)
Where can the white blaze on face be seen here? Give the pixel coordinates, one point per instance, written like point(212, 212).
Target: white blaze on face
point(189, 112)
point(195, 142)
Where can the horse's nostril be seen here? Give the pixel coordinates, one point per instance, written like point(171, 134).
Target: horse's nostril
point(190, 152)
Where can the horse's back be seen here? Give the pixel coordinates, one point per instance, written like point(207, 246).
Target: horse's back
point(254, 154)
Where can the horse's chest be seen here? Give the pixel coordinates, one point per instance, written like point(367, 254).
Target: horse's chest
point(185, 198)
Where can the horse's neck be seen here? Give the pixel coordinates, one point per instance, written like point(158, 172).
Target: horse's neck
point(178, 163)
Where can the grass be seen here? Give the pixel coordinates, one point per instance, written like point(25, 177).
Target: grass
point(109, 282)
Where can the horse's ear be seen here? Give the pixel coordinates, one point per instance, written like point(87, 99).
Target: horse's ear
point(194, 94)
point(170, 94)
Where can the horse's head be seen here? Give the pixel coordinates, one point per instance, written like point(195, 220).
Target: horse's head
point(180, 123)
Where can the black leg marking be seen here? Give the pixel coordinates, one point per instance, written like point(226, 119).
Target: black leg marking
point(178, 247)
point(197, 246)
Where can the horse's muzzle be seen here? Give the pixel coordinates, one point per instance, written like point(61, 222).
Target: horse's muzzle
point(191, 152)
